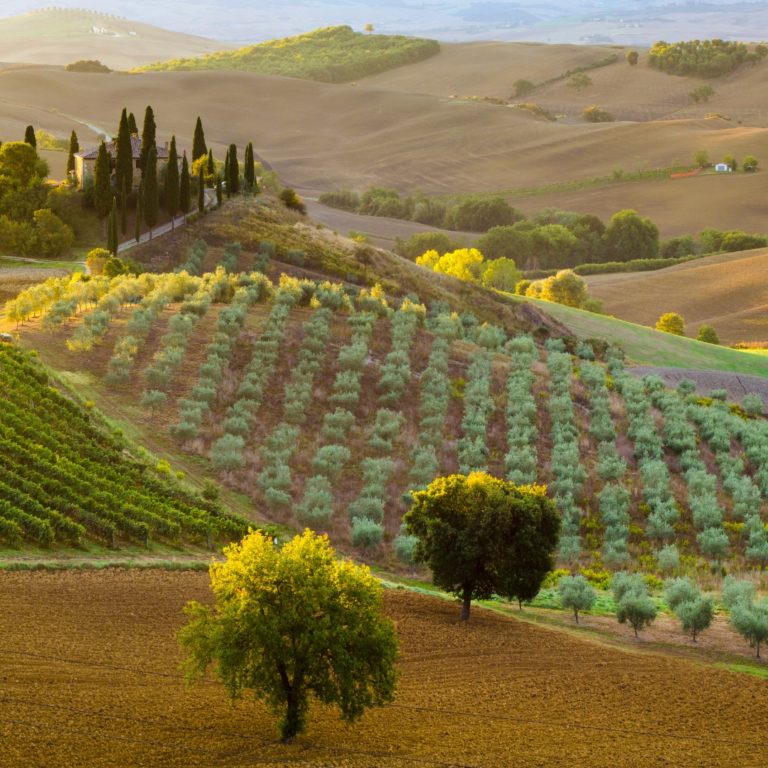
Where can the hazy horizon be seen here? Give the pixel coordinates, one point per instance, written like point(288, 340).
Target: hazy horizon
point(611, 22)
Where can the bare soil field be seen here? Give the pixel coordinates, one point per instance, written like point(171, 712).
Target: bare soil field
point(90, 677)
point(724, 291)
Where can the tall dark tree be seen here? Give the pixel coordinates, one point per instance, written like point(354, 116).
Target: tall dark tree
point(29, 136)
point(151, 192)
point(123, 156)
point(210, 167)
point(249, 168)
point(226, 175)
point(185, 184)
point(201, 192)
point(199, 147)
point(219, 193)
point(132, 127)
point(148, 137)
point(112, 228)
point(172, 182)
point(481, 535)
point(102, 186)
point(74, 147)
point(124, 210)
point(233, 173)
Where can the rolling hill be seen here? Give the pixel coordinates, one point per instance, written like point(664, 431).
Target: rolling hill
point(60, 36)
point(717, 290)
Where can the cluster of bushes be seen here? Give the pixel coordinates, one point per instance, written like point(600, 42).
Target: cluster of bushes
point(28, 225)
point(469, 264)
point(521, 459)
point(680, 438)
point(468, 213)
point(87, 65)
point(316, 507)
point(198, 403)
point(275, 477)
point(564, 287)
point(702, 58)
point(169, 288)
point(330, 55)
point(214, 286)
point(395, 371)
point(478, 406)
point(568, 473)
point(611, 468)
point(125, 289)
point(196, 254)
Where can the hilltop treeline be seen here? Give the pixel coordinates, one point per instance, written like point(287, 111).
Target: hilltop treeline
point(330, 55)
point(702, 58)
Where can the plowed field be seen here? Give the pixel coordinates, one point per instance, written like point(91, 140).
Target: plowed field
point(88, 664)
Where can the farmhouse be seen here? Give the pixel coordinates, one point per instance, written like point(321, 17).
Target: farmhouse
point(86, 161)
point(723, 168)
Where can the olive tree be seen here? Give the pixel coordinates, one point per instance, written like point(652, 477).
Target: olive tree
point(293, 622)
point(576, 593)
point(481, 535)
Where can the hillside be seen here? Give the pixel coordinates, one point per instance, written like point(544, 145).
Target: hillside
point(331, 55)
point(65, 480)
point(718, 290)
point(60, 36)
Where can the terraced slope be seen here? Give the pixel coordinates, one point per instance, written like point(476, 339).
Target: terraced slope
point(66, 480)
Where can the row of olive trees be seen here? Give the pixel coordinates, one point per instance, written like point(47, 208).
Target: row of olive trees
point(521, 459)
point(478, 406)
point(218, 352)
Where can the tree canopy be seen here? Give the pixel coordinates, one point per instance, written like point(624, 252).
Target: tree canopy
point(630, 236)
point(481, 535)
point(292, 622)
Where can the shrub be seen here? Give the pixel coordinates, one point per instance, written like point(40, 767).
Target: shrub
point(345, 199)
point(576, 593)
point(707, 334)
point(671, 322)
point(405, 547)
point(753, 405)
point(595, 114)
point(366, 534)
point(735, 591)
point(668, 558)
point(316, 506)
point(291, 200)
point(227, 452)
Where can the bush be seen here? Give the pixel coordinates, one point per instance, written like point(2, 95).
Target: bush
point(707, 334)
point(291, 200)
point(366, 534)
point(344, 199)
point(671, 322)
point(576, 593)
point(595, 114)
point(87, 65)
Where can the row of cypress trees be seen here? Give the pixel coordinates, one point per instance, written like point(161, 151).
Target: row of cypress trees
point(109, 195)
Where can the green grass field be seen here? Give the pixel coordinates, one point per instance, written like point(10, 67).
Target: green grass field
point(645, 346)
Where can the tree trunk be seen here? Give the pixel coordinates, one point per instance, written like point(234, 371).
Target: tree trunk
point(292, 722)
point(465, 603)
point(757, 644)
point(576, 616)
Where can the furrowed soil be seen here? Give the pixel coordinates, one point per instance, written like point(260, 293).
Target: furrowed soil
point(90, 677)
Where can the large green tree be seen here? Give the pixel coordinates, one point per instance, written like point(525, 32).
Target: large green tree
point(293, 622)
point(102, 183)
point(172, 182)
point(148, 136)
point(630, 236)
point(74, 148)
point(481, 535)
point(199, 147)
point(18, 163)
point(123, 156)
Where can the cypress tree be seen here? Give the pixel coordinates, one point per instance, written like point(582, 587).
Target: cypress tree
point(148, 137)
point(184, 187)
point(172, 183)
point(210, 168)
point(102, 188)
point(139, 211)
point(233, 179)
point(151, 194)
point(226, 175)
point(112, 228)
point(199, 147)
point(124, 210)
point(132, 127)
point(29, 136)
point(74, 147)
point(219, 195)
point(201, 192)
point(123, 156)
point(249, 170)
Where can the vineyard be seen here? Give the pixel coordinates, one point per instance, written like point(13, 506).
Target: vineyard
point(327, 406)
point(65, 480)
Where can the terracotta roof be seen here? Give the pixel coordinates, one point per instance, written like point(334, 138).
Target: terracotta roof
point(92, 154)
